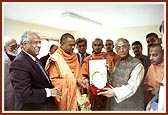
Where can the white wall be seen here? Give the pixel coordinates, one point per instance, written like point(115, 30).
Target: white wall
point(131, 33)
point(15, 28)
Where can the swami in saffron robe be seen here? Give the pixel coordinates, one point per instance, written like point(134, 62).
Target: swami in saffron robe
point(63, 70)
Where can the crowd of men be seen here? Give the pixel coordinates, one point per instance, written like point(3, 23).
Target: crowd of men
point(56, 81)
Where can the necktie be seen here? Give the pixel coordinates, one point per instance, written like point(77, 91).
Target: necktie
point(82, 57)
point(40, 66)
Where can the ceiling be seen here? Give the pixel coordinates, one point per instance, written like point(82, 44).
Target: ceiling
point(109, 14)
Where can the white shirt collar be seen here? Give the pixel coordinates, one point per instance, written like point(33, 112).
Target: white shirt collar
point(81, 54)
point(33, 58)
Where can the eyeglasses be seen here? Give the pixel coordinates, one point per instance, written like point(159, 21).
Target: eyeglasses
point(121, 47)
point(12, 47)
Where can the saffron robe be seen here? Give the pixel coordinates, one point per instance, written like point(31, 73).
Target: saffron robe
point(63, 70)
point(153, 80)
point(99, 102)
point(115, 58)
point(154, 76)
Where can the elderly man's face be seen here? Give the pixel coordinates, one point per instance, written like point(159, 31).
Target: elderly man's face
point(122, 48)
point(12, 48)
point(33, 47)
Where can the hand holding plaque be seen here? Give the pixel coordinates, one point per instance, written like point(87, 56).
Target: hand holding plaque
point(98, 75)
point(99, 79)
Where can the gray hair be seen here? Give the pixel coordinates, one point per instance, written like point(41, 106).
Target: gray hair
point(8, 40)
point(25, 36)
point(122, 39)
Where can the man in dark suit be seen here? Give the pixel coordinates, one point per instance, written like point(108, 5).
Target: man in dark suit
point(43, 59)
point(81, 47)
point(32, 87)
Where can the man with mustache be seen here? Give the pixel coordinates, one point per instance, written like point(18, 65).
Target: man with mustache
point(137, 49)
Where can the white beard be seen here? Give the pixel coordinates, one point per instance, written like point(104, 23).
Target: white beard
point(13, 53)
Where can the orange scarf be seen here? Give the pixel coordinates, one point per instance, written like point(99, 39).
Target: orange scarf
point(154, 76)
point(63, 70)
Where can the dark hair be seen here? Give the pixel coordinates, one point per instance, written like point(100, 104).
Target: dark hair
point(161, 27)
point(155, 45)
point(152, 34)
point(52, 46)
point(99, 40)
point(137, 42)
point(109, 40)
point(65, 36)
point(79, 40)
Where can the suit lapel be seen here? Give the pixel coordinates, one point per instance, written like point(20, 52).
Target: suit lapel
point(35, 66)
point(78, 57)
point(87, 54)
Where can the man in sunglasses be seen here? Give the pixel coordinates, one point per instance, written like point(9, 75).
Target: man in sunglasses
point(10, 52)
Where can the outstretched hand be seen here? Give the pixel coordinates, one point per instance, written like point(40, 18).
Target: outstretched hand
point(109, 92)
